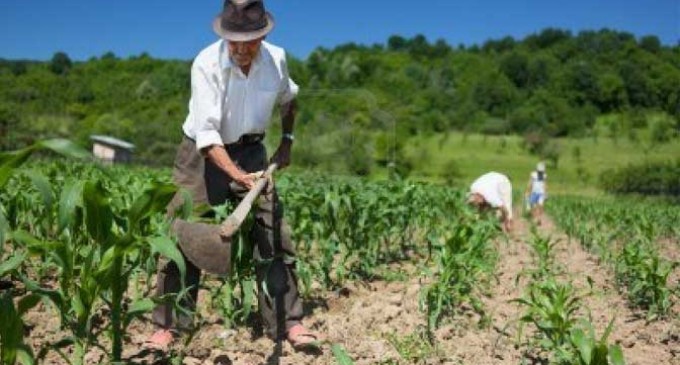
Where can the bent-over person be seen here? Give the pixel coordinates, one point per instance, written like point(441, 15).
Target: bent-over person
point(493, 190)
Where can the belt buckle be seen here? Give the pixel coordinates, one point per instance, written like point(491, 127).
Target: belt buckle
point(251, 138)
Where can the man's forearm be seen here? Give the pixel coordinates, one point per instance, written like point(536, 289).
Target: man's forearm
point(219, 156)
point(288, 116)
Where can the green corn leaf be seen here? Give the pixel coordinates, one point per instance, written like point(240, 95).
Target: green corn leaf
point(36, 246)
point(11, 330)
point(248, 287)
point(70, 197)
point(341, 355)
point(168, 248)
point(65, 148)
point(105, 265)
point(152, 201)
point(4, 229)
point(99, 217)
point(137, 309)
point(599, 355)
point(54, 295)
point(608, 331)
point(10, 161)
point(187, 205)
point(28, 302)
point(584, 346)
point(42, 184)
point(25, 355)
point(11, 263)
point(141, 306)
point(78, 306)
point(616, 355)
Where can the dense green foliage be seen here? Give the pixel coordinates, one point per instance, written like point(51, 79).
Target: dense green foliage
point(364, 101)
point(86, 239)
point(659, 178)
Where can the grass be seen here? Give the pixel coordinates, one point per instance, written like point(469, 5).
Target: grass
point(474, 155)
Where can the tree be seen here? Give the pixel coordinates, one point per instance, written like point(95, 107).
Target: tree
point(547, 38)
point(60, 63)
point(515, 65)
point(396, 43)
point(650, 43)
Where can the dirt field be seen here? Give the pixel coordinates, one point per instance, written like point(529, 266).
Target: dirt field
point(380, 322)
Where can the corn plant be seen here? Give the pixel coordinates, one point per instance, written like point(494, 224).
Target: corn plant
point(552, 308)
point(12, 346)
point(462, 263)
point(241, 279)
point(645, 275)
point(623, 232)
point(96, 259)
point(93, 245)
point(587, 349)
point(350, 227)
point(11, 326)
point(544, 251)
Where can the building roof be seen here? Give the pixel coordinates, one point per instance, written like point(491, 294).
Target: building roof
point(111, 141)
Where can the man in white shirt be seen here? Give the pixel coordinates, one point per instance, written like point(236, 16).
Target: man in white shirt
point(235, 84)
point(493, 190)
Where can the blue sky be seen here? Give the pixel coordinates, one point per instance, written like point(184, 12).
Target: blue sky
point(35, 29)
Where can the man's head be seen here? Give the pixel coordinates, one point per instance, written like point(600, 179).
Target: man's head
point(476, 200)
point(243, 21)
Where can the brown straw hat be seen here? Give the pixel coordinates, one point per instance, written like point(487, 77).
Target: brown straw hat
point(243, 20)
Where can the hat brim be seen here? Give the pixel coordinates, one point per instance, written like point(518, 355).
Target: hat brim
point(242, 36)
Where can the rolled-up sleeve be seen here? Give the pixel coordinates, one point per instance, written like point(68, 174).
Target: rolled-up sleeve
point(206, 107)
point(289, 89)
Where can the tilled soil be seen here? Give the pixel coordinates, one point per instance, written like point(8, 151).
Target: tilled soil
point(380, 322)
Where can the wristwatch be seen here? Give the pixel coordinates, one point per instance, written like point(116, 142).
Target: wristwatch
point(288, 136)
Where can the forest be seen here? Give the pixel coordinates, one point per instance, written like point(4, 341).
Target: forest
point(364, 101)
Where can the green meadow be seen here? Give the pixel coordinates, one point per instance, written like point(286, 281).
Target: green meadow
point(460, 158)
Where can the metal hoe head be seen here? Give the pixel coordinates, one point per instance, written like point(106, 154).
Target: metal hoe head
point(204, 246)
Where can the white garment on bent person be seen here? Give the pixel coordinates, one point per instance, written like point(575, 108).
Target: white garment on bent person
point(496, 190)
point(225, 103)
point(538, 186)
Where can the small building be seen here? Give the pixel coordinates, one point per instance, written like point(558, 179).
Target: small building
point(111, 150)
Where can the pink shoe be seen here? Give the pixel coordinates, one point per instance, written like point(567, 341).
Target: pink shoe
point(160, 340)
point(302, 339)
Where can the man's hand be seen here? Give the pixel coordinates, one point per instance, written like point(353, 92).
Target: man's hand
point(245, 180)
point(282, 154)
point(219, 156)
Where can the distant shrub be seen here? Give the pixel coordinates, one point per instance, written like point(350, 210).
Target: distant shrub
point(653, 178)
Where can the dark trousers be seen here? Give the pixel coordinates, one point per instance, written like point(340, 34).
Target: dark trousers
point(207, 182)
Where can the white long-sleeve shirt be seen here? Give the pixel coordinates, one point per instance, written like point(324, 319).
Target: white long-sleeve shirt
point(225, 103)
point(496, 190)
